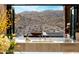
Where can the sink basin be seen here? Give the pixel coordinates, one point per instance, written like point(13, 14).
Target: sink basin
point(36, 34)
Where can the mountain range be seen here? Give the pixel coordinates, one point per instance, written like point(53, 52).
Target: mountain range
point(33, 21)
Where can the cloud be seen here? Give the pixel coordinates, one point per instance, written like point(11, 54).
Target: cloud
point(19, 9)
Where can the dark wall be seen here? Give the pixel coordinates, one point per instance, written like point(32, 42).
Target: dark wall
point(78, 20)
point(67, 18)
point(10, 30)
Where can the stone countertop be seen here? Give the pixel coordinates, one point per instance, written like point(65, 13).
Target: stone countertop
point(43, 40)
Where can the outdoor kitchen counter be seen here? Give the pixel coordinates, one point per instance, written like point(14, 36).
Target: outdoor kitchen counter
point(46, 47)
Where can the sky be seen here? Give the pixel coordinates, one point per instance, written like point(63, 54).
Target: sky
point(19, 9)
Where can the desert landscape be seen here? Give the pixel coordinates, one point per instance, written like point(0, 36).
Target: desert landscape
point(32, 21)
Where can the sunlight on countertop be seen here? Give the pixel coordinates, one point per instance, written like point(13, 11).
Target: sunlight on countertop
point(22, 39)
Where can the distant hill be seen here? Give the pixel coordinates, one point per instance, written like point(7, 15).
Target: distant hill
point(32, 21)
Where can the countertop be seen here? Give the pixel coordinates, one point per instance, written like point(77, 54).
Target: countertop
point(43, 40)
